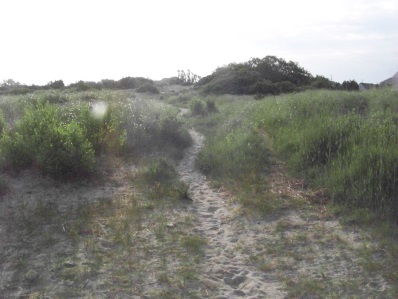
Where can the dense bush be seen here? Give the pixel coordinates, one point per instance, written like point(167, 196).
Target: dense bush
point(350, 85)
point(149, 88)
point(270, 75)
point(65, 140)
point(56, 84)
point(57, 149)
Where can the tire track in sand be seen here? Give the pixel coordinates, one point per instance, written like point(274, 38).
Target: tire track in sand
point(225, 268)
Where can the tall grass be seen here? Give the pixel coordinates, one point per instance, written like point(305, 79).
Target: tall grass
point(236, 153)
point(342, 140)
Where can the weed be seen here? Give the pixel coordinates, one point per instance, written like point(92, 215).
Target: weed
point(197, 107)
point(193, 243)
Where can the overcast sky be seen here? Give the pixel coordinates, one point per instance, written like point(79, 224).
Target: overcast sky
point(43, 41)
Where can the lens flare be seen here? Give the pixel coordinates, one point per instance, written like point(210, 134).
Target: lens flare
point(99, 109)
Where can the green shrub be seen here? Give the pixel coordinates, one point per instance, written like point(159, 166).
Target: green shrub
point(149, 88)
point(16, 151)
point(57, 149)
point(68, 154)
point(53, 97)
point(263, 87)
point(197, 107)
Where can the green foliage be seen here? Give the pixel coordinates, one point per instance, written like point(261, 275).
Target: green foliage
point(197, 107)
point(321, 82)
point(65, 140)
point(154, 127)
point(68, 154)
point(149, 88)
point(127, 83)
point(3, 124)
point(160, 170)
point(56, 84)
point(263, 87)
point(234, 156)
point(350, 85)
point(211, 106)
point(342, 140)
point(270, 75)
point(100, 126)
point(85, 85)
point(57, 149)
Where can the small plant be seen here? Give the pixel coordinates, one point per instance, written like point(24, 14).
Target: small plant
point(160, 171)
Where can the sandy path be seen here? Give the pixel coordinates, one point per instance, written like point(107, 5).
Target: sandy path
point(225, 267)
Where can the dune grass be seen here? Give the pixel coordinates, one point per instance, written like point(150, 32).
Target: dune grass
point(343, 141)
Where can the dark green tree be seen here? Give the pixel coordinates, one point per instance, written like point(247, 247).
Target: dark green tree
point(351, 85)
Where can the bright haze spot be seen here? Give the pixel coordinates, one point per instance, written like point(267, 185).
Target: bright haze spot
point(98, 110)
point(89, 40)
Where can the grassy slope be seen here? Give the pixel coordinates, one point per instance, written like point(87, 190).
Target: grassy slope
point(245, 140)
point(343, 141)
point(342, 144)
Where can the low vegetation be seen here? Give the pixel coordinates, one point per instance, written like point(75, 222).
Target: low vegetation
point(145, 239)
point(65, 141)
point(345, 142)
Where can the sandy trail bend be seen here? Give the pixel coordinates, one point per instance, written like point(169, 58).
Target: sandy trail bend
point(226, 267)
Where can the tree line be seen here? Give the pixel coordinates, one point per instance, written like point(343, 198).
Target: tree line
point(13, 87)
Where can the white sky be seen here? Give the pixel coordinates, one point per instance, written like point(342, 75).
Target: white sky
point(73, 40)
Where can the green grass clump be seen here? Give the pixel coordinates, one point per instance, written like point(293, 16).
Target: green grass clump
point(160, 171)
point(160, 178)
point(199, 107)
point(41, 138)
point(344, 141)
point(235, 155)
